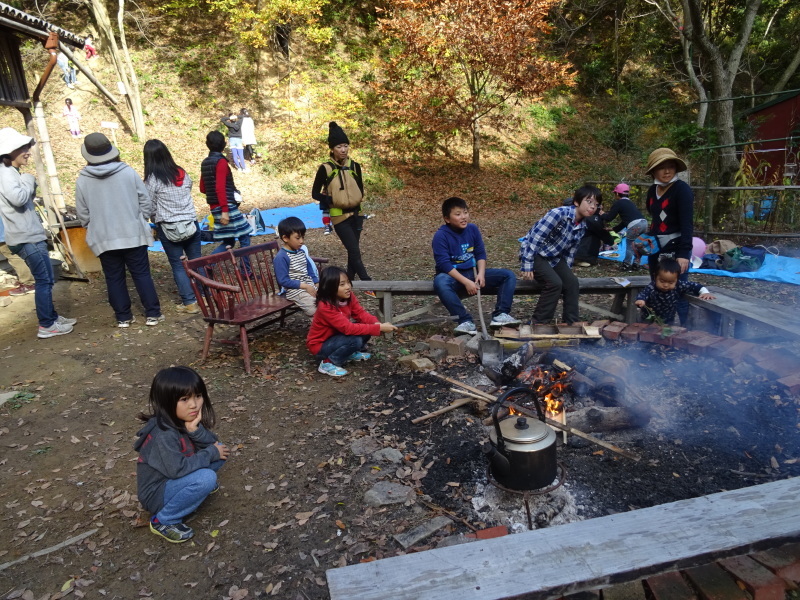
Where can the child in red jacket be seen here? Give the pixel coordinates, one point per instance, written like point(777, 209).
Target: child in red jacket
point(340, 327)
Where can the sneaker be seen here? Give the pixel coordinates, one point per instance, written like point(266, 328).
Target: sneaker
point(370, 293)
point(55, 329)
point(466, 327)
point(177, 533)
point(359, 356)
point(583, 264)
point(328, 230)
point(126, 324)
point(22, 290)
point(191, 309)
point(66, 320)
point(152, 321)
point(503, 319)
point(328, 368)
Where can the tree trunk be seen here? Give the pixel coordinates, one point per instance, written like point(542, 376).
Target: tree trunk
point(476, 144)
point(106, 30)
point(133, 91)
point(790, 70)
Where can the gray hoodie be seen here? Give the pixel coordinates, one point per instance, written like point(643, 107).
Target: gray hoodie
point(167, 453)
point(113, 204)
point(22, 224)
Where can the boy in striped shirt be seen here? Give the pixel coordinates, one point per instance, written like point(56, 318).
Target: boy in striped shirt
point(294, 269)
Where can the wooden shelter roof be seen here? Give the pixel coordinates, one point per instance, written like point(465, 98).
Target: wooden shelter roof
point(36, 27)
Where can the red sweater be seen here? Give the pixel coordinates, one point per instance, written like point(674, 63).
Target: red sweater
point(331, 319)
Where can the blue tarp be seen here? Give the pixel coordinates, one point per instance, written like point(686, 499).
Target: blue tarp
point(310, 214)
point(782, 269)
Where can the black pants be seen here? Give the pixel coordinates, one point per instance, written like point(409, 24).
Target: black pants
point(558, 281)
point(589, 246)
point(349, 231)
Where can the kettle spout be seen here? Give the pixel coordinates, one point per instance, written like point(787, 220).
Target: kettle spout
point(500, 464)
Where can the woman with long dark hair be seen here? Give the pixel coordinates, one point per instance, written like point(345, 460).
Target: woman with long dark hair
point(174, 215)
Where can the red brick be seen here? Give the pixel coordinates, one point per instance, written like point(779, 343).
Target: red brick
point(714, 583)
point(781, 366)
point(717, 348)
point(600, 324)
point(681, 341)
point(670, 586)
point(762, 583)
point(698, 346)
point(631, 590)
point(612, 331)
point(764, 354)
point(489, 533)
point(783, 561)
point(437, 341)
point(631, 332)
point(737, 353)
point(667, 340)
point(651, 334)
point(791, 383)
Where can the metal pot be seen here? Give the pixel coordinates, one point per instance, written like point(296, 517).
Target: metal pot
point(522, 451)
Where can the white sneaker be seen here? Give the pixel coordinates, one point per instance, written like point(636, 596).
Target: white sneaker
point(126, 324)
point(466, 327)
point(66, 320)
point(55, 329)
point(152, 321)
point(503, 319)
point(328, 368)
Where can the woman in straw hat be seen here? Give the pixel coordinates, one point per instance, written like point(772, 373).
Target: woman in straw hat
point(113, 204)
point(24, 233)
point(670, 203)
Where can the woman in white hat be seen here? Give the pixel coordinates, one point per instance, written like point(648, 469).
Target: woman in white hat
point(24, 232)
point(113, 204)
point(670, 203)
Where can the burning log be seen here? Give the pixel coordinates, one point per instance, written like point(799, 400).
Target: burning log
point(606, 418)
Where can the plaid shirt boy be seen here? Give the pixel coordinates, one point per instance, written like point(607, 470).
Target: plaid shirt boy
point(554, 236)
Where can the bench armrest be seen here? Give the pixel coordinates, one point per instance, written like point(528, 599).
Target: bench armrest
point(214, 284)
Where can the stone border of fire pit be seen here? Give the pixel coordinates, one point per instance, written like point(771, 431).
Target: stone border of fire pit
point(782, 365)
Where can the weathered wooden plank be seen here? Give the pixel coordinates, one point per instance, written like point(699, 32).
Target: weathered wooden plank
point(778, 319)
point(422, 287)
point(549, 563)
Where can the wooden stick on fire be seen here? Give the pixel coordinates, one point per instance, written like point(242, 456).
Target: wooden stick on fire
point(552, 423)
point(452, 406)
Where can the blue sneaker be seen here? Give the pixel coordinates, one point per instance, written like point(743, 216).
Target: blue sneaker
point(359, 356)
point(328, 368)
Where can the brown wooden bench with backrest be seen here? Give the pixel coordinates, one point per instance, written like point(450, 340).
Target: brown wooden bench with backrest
point(229, 297)
point(623, 304)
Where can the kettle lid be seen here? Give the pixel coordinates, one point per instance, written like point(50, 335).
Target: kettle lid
point(522, 430)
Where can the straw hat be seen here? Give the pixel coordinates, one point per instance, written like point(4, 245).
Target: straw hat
point(661, 155)
point(97, 149)
point(11, 139)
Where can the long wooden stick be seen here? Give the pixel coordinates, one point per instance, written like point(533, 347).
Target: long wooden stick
point(580, 434)
point(64, 544)
point(483, 399)
point(455, 404)
point(463, 386)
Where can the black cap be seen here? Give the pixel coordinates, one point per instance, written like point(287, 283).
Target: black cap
point(336, 135)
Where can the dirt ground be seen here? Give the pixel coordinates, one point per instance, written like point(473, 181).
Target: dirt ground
point(291, 502)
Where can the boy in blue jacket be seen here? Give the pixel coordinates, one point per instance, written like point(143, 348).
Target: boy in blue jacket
point(461, 268)
point(294, 269)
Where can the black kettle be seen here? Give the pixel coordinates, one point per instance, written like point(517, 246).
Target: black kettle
point(522, 451)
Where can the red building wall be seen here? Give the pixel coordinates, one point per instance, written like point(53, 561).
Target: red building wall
point(774, 121)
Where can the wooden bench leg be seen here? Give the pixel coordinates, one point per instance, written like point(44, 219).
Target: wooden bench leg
point(207, 342)
point(245, 348)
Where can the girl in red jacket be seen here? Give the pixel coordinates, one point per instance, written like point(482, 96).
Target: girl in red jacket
point(340, 327)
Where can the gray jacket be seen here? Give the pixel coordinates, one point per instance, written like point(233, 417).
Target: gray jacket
point(113, 204)
point(167, 453)
point(22, 224)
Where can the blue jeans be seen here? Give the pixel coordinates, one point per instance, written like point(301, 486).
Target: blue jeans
point(244, 242)
point(114, 263)
point(184, 495)
point(237, 152)
point(38, 260)
point(175, 250)
point(498, 281)
point(339, 347)
point(634, 230)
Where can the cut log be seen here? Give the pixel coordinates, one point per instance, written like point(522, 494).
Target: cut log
point(605, 418)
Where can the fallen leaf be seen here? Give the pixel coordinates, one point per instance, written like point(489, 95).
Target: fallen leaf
point(215, 533)
point(340, 525)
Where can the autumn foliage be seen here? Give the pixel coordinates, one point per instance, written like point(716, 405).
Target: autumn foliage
point(453, 65)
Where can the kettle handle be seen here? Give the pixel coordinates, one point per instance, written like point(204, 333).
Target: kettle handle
point(514, 392)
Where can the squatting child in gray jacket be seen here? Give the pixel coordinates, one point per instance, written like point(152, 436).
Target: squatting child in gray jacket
point(178, 454)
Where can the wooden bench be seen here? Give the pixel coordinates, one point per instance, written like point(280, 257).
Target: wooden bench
point(735, 312)
point(226, 296)
point(586, 555)
point(623, 307)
